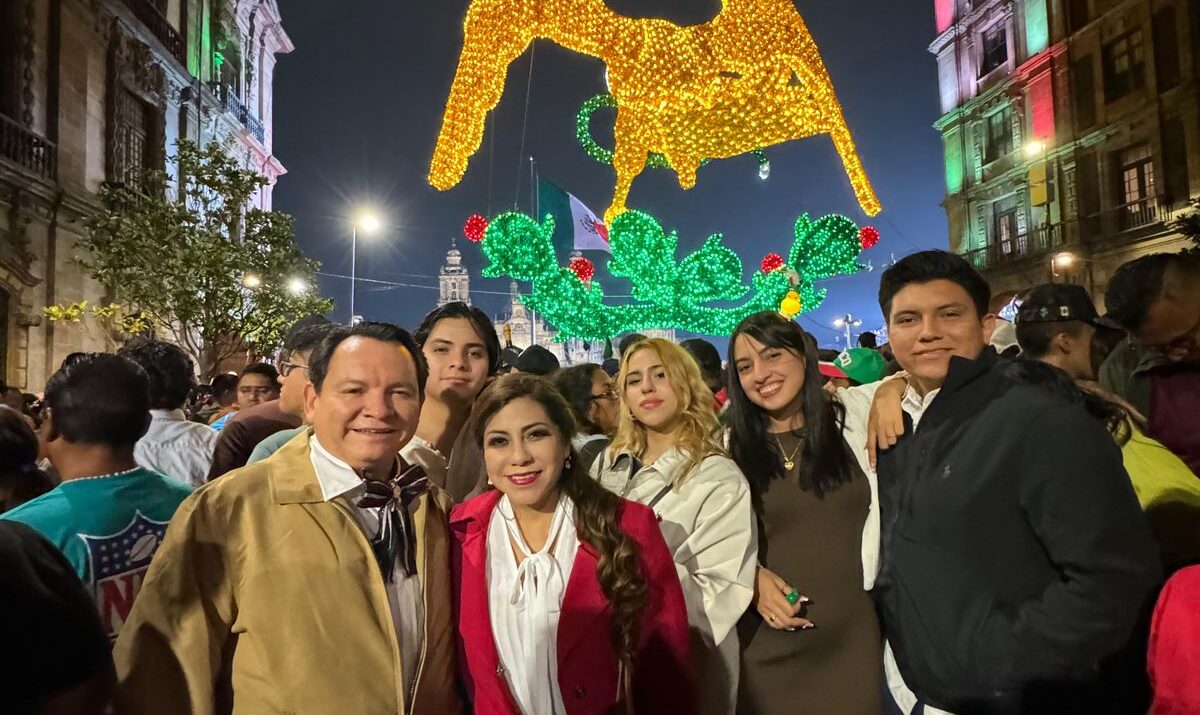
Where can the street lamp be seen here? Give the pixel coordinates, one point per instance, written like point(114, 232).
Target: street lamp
point(369, 223)
point(1035, 149)
point(252, 280)
point(847, 322)
point(297, 286)
point(1061, 262)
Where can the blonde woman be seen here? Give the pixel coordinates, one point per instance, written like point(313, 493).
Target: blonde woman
point(667, 455)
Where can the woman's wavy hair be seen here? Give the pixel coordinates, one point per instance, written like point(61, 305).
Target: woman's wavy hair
point(698, 434)
point(825, 460)
point(597, 510)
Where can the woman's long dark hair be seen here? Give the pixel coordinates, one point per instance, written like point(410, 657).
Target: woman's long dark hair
point(597, 510)
point(1047, 377)
point(825, 460)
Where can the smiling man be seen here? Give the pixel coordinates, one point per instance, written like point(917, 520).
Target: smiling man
point(1157, 299)
point(316, 580)
point(1015, 559)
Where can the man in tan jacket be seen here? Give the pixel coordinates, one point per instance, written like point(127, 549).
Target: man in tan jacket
point(316, 581)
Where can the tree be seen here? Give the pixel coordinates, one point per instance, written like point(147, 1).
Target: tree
point(191, 259)
point(1189, 225)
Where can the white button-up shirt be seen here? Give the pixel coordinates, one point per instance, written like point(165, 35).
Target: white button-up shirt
point(339, 482)
point(857, 401)
point(710, 528)
point(175, 447)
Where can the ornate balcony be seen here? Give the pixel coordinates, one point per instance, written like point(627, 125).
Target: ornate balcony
point(148, 13)
point(1036, 242)
point(23, 146)
point(233, 105)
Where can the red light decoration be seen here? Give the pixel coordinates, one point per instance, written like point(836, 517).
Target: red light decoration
point(868, 236)
point(475, 228)
point(771, 262)
point(583, 268)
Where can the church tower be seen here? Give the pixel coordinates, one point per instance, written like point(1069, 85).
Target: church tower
point(454, 283)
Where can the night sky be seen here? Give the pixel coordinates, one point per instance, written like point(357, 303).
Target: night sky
point(358, 106)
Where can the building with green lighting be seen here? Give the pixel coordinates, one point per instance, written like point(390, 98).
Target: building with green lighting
point(99, 91)
point(1071, 133)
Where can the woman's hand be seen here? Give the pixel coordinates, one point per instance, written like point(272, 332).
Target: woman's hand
point(770, 599)
point(886, 422)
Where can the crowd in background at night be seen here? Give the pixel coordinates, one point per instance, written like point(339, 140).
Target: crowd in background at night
point(975, 517)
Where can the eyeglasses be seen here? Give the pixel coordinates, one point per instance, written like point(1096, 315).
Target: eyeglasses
point(286, 368)
point(609, 395)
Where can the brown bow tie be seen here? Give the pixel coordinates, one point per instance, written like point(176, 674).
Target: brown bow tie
point(397, 534)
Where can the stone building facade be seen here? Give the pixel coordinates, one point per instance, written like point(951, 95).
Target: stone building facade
point(1071, 132)
point(95, 92)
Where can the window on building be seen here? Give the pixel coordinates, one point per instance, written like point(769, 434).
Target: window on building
point(999, 136)
point(1083, 87)
point(1124, 66)
point(1078, 14)
point(1136, 189)
point(1004, 226)
point(995, 48)
point(11, 23)
point(1166, 49)
point(135, 136)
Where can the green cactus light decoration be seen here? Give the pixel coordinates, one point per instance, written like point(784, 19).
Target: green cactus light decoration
point(666, 293)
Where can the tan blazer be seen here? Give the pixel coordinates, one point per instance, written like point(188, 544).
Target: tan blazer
point(264, 598)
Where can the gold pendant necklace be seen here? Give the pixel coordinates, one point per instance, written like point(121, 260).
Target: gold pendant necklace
point(789, 461)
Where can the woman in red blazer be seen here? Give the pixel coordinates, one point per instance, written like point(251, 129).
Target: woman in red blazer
point(566, 596)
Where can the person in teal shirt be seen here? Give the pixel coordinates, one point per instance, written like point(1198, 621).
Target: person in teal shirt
point(109, 515)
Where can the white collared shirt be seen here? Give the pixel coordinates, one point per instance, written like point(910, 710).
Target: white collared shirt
point(178, 448)
point(857, 401)
point(339, 482)
point(525, 602)
point(710, 528)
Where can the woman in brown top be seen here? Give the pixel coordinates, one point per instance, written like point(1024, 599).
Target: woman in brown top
point(810, 642)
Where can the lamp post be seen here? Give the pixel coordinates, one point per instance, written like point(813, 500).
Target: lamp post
point(1061, 262)
point(369, 224)
point(847, 322)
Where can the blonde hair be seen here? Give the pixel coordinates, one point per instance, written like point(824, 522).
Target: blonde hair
point(698, 425)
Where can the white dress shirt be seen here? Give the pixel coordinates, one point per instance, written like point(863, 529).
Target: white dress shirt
point(175, 447)
point(525, 601)
point(857, 401)
point(339, 482)
point(710, 528)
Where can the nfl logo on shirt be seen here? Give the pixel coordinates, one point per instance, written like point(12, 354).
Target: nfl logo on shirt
point(117, 564)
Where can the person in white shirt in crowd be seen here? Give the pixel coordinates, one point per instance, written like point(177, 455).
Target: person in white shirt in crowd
point(462, 351)
point(813, 628)
point(667, 454)
point(173, 445)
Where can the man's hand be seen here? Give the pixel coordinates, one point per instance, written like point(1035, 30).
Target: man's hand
point(886, 422)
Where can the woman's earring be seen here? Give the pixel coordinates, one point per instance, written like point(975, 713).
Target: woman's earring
point(567, 464)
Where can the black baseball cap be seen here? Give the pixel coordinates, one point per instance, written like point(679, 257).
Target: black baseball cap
point(1059, 303)
point(537, 360)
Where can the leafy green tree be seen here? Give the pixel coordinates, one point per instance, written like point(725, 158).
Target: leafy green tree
point(187, 254)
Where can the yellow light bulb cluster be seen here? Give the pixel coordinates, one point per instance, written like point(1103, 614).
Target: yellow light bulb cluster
point(750, 78)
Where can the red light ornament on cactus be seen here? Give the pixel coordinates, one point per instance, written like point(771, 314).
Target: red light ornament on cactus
point(475, 228)
point(868, 236)
point(583, 268)
point(771, 262)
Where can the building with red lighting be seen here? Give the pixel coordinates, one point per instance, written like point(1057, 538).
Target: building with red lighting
point(1071, 133)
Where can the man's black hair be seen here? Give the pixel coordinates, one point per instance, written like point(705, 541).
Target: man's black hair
point(224, 383)
point(318, 362)
point(929, 266)
point(537, 360)
point(307, 338)
point(477, 318)
point(261, 368)
point(1035, 338)
point(708, 359)
point(627, 342)
point(1138, 284)
point(100, 399)
point(868, 340)
point(168, 367)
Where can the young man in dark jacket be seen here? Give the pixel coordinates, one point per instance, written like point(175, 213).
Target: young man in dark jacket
point(1015, 558)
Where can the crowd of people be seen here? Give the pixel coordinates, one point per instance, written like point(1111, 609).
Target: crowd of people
point(382, 521)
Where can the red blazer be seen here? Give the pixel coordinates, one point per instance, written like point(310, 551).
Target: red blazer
point(587, 662)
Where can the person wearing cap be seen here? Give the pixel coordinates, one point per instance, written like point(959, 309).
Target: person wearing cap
point(537, 360)
point(1157, 369)
point(1055, 326)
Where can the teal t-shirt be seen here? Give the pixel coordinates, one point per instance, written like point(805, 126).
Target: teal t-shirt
point(108, 528)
